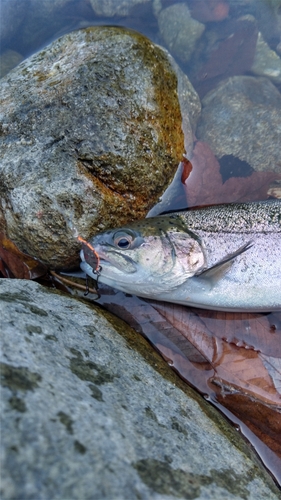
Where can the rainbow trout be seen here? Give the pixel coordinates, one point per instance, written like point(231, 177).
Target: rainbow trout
point(224, 257)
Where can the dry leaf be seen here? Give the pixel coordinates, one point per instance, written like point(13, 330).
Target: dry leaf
point(233, 54)
point(16, 264)
point(203, 182)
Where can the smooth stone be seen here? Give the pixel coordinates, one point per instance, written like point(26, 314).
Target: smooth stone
point(242, 117)
point(90, 411)
point(91, 137)
point(179, 30)
point(266, 61)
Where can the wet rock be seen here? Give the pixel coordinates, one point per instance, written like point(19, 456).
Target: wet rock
point(266, 61)
point(269, 20)
point(89, 410)
point(110, 8)
point(179, 30)
point(189, 103)
point(242, 118)
point(91, 135)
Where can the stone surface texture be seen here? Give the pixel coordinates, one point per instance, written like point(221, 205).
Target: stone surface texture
point(91, 135)
point(90, 411)
point(179, 30)
point(242, 117)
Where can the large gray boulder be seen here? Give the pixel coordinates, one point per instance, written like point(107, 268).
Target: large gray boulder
point(242, 117)
point(91, 135)
point(90, 411)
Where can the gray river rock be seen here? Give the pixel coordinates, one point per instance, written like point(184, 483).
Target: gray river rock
point(266, 62)
point(90, 411)
point(179, 30)
point(91, 135)
point(242, 117)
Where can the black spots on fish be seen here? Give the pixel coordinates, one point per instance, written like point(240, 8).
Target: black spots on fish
point(231, 166)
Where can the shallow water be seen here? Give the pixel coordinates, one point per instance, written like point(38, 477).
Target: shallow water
point(226, 47)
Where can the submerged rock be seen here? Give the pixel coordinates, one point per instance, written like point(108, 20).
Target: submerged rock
point(91, 135)
point(266, 61)
point(179, 30)
point(90, 411)
point(242, 117)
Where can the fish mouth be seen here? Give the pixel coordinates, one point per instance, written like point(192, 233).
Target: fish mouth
point(98, 260)
point(94, 261)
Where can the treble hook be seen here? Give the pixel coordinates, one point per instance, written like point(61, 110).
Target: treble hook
point(96, 271)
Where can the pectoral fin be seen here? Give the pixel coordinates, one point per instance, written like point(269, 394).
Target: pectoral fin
point(218, 270)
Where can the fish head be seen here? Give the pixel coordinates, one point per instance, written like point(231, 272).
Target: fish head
point(150, 256)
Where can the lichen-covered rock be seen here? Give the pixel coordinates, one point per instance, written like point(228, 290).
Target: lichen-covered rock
point(242, 117)
point(90, 411)
point(179, 30)
point(91, 135)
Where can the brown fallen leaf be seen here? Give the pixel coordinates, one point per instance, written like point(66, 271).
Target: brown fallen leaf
point(16, 264)
point(232, 54)
point(204, 186)
point(259, 332)
point(240, 367)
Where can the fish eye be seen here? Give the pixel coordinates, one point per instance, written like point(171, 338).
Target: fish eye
point(122, 240)
point(123, 243)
